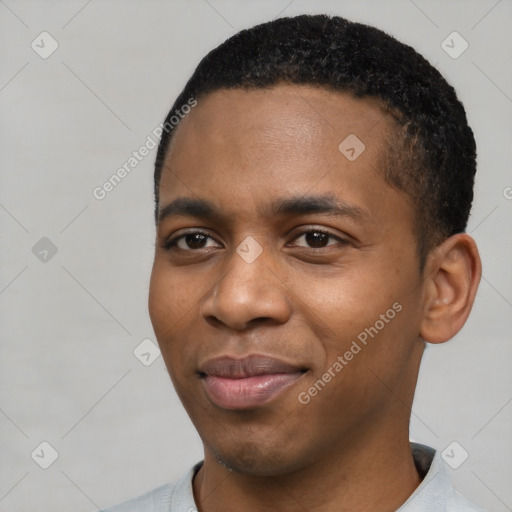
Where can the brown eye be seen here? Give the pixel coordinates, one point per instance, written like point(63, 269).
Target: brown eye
point(195, 240)
point(316, 239)
point(189, 241)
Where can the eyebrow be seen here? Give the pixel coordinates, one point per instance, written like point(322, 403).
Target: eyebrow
point(299, 205)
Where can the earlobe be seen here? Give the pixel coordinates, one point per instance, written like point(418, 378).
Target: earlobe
point(452, 276)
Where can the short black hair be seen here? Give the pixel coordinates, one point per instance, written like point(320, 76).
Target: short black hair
point(432, 157)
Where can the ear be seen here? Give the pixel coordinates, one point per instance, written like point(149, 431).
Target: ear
point(452, 275)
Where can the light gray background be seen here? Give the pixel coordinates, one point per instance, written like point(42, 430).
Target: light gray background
point(69, 326)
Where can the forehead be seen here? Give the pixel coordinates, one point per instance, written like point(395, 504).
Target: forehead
point(245, 146)
point(293, 115)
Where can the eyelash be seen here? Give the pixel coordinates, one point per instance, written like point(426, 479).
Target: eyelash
point(171, 244)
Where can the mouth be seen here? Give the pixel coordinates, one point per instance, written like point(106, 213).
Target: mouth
point(247, 383)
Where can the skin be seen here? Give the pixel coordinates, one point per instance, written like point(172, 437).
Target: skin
point(300, 301)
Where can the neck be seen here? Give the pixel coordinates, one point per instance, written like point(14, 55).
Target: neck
point(376, 475)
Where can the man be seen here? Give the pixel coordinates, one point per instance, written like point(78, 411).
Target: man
point(311, 202)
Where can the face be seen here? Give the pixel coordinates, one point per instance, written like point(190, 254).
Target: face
point(285, 293)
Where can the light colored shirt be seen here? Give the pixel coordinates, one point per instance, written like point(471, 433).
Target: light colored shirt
point(435, 493)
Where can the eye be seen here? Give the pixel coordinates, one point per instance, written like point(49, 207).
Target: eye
point(191, 241)
point(318, 239)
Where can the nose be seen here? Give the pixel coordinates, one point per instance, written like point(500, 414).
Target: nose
point(247, 294)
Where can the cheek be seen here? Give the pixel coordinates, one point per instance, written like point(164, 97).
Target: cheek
point(167, 309)
point(342, 306)
point(368, 318)
point(169, 298)
point(173, 308)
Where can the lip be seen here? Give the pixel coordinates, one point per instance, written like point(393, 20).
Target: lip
point(247, 383)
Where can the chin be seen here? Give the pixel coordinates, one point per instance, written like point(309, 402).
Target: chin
point(250, 458)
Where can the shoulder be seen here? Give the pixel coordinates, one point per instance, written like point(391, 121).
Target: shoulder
point(157, 500)
point(456, 502)
point(176, 497)
point(436, 491)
